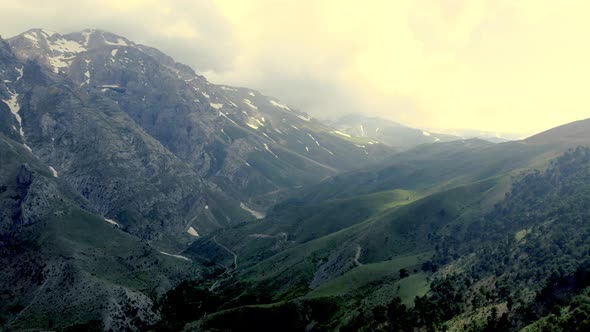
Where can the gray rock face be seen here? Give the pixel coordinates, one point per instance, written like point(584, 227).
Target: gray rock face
point(246, 143)
point(103, 154)
point(62, 264)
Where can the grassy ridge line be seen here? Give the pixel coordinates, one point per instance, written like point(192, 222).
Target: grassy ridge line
point(333, 238)
point(408, 238)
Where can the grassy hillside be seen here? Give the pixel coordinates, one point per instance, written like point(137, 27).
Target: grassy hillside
point(365, 274)
point(367, 246)
point(368, 260)
point(433, 167)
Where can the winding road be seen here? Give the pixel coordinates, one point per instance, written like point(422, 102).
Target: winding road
point(228, 270)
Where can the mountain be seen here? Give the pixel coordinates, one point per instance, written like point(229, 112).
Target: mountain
point(247, 144)
point(93, 145)
point(135, 195)
point(86, 197)
point(64, 264)
point(388, 132)
point(115, 158)
point(574, 133)
point(360, 239)
point(494, 137)
point(368, 196)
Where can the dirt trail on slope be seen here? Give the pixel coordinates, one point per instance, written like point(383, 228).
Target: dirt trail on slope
point(358, 255)
point(228, 270)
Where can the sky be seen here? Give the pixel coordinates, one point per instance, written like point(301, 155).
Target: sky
point(504, 66)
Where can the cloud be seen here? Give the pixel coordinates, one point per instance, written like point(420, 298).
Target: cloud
point(495, 65)
point(192, 31)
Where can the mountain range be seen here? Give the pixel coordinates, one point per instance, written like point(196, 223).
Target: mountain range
point(136, 195)
point(390, 132)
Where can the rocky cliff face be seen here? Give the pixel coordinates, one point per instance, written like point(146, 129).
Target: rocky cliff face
point(76, 173)
point(86, 139)
point(64, 264)
point(246, 143)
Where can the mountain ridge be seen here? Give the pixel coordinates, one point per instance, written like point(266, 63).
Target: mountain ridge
point(570, 133)
point(139, 196)
point(229, 134)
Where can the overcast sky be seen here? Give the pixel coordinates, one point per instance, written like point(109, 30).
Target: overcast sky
point(495, 65)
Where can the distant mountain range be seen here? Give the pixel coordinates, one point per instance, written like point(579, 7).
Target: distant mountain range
point(404, 137)
point(136, 195)
point(388, 132)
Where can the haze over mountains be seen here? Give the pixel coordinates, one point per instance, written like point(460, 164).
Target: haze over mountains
point(137, 195)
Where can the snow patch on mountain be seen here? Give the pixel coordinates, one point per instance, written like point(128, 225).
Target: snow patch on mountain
point(330, 152)
point(12, 103)
point(341, 133)
point(315, 141)
point(225, 116)
point(255, 214)
point(192, 231)
point(279, 105)
point(86, 35)
point(249, 103)
point(257, 121)
point(304, 117)
point(48, 33)
point(32, 38)
point(60, 61)
point(53, 172)
point(20, 73)
point(118, 42)
point(112, 222)
point(62, 51)
point(176, 256)
point(87, 72)
point(270, 151)
point(66, 46)
point(216, 106)
point(272, 140)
